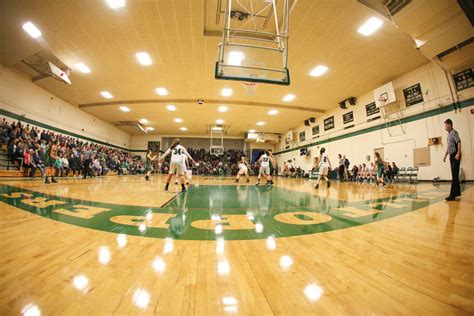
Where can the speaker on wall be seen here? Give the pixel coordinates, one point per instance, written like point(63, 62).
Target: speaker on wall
point(312, 119)
point(342, 105)
point(306, 123)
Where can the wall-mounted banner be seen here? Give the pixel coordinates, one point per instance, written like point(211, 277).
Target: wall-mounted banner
point(371, 109)
point(302, 136)
point(329, 123)
point(348, 117)
point(413, 95)
point(464, 79)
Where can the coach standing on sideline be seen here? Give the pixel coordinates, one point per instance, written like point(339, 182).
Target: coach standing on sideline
point(454, 151)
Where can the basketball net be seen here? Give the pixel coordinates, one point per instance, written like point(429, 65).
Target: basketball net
point(250, 88)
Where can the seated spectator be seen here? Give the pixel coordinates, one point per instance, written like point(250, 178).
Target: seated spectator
point(65, 167)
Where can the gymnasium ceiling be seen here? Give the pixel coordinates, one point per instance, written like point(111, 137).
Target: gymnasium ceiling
point(183, 52)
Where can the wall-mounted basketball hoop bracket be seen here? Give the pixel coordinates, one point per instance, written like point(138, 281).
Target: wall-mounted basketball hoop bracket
point(254, 48)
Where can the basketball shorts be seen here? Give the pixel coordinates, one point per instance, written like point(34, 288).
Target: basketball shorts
point(243, 171)
point(265, 170)
point(323, 170)
point(177, 167)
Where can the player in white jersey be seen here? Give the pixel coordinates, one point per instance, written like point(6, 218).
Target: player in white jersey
point(177, 162)
point(324, 167)
point(265, 167)
point(243, 169)
point(187, 171)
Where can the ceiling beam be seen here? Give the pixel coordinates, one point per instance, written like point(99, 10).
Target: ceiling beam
point(226, 102)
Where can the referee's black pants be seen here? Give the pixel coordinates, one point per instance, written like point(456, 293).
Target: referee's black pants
point(455, 187)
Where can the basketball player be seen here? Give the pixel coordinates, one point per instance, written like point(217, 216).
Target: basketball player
point(324, 167)
point(186, 171)
point(52, 156)
point(177, 162)
point(265, 167)
point(379, 163)
point(243, 169)
point(148, 167)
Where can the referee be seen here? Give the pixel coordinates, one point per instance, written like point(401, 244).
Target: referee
point(454, 152)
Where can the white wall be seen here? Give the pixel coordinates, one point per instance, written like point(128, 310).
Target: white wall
point(399, 146)
point(20, 96)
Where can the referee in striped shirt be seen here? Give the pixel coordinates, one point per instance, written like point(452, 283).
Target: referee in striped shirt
point(454, 152)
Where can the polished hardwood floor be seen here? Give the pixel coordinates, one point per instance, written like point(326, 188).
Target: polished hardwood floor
point(120, 245)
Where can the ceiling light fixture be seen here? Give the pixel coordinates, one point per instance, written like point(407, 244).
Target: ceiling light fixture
point(318, 71)
point(178, 120)
point(124, 109)
point(31, 29)
point(83, 68)
point(171, 107)
point(260, 123)
point(106, 94)
point(143, 58)
point(370, 26)
point(288, 97)
point(220, 121)
point(273, 112)
point(161, 91)
point(183, 128)
point(226, 92)
point(115, 4)
point(223, 108)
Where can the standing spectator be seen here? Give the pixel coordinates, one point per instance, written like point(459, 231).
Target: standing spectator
point(346, 167)
point(87, 158)
point(454, 152)
point(341, 168)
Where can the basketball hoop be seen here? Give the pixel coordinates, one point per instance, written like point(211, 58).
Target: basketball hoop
point(250, 88)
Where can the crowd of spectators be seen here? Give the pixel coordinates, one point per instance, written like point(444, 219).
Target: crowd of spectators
point(208, 164)
point(28, 149)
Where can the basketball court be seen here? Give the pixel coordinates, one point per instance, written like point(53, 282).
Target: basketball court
point(233, 78)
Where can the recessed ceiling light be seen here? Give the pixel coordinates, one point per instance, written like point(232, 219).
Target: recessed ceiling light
point(183, 128)
point(370, 26)
point(235, 58)
point(115, 4)
point(124, 109)
point(171, 107)
point(161, 91)
point(150, 128)
point(143, 120)
point(252, 131)
point(226, 92)
point(143, 58)
point(260, 123)
point(223, 108)
point(31, 29)
point(83, 68)
point(178, 120)
point(319, 70)
point(106, 94)
point(219, 121)
point(273, 112)
point(288, 97)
